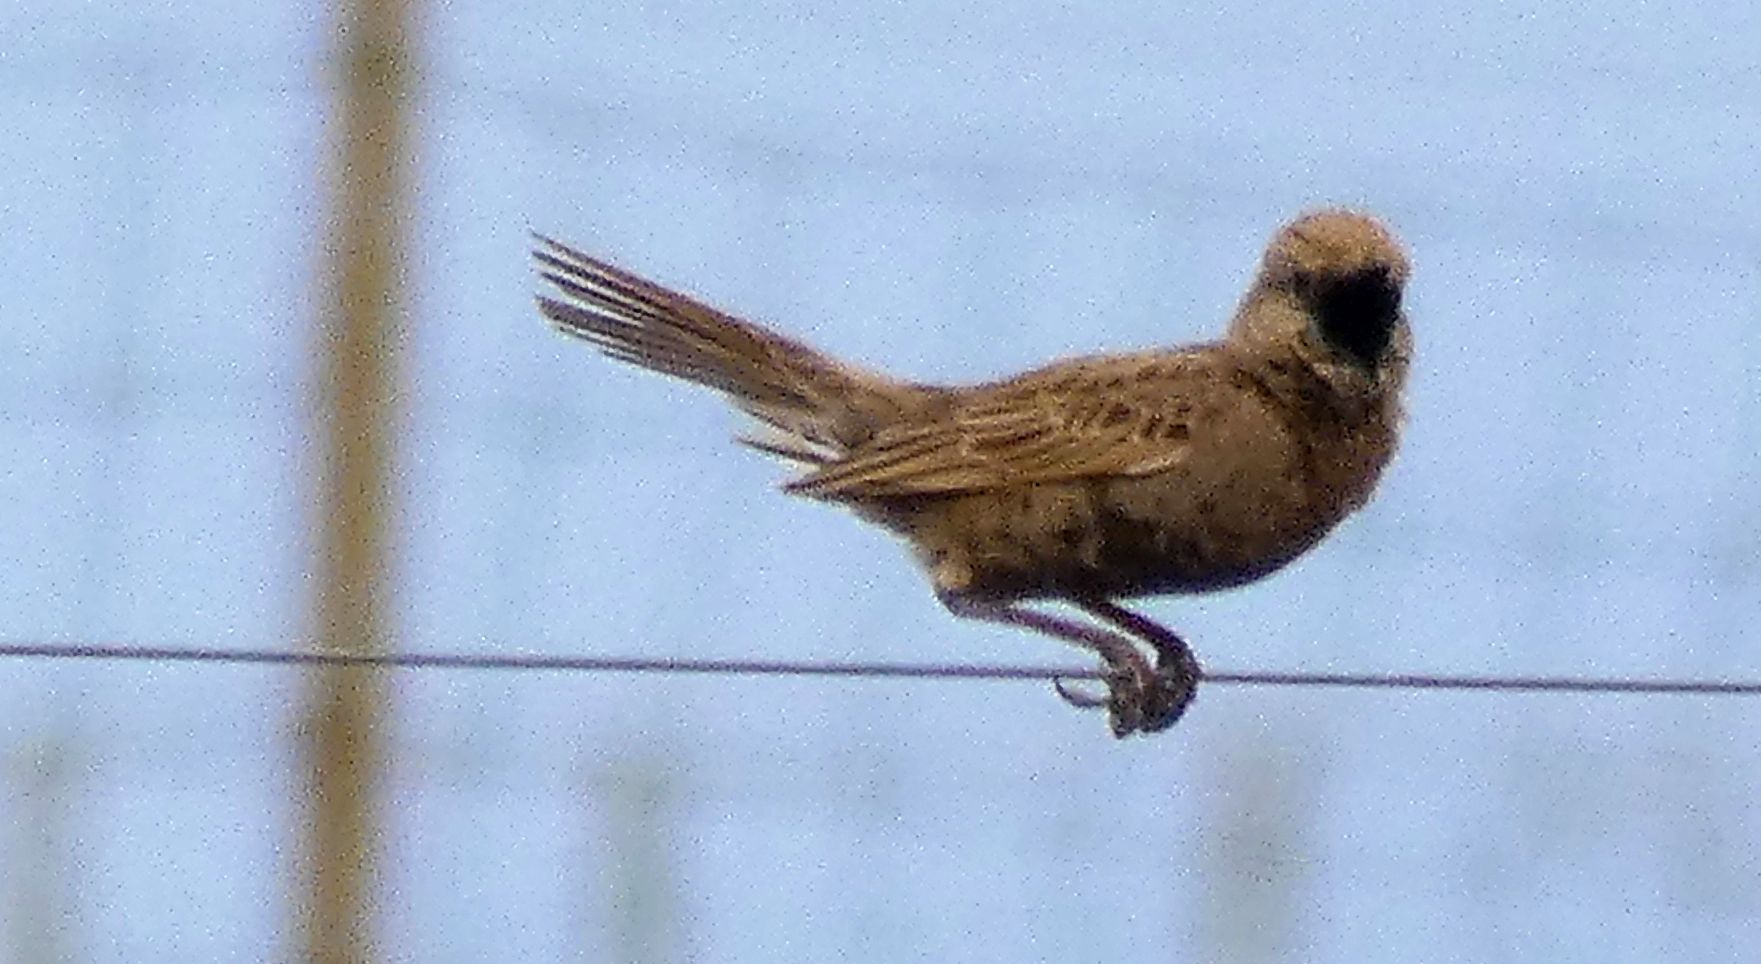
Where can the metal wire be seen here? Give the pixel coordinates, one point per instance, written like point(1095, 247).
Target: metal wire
point(951, 671)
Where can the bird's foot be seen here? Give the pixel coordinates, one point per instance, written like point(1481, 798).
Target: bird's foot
point(1139, 698)
point(1131, 685)
point(1175, 684)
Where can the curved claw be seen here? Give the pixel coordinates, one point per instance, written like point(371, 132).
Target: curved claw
point(1131, 698)
point(1082, 699)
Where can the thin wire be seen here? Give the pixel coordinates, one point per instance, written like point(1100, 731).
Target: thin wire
point(758, 667)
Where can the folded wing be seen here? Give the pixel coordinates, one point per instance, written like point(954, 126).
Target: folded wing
point(1121, 416)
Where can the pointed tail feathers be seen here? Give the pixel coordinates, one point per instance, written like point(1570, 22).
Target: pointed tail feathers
point(818, 407)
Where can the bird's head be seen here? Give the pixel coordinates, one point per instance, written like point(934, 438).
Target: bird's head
point(1330, 286)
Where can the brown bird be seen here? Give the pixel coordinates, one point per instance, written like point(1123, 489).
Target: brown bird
point(1090, 480)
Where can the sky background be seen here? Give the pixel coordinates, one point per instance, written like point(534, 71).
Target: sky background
point(950, 192)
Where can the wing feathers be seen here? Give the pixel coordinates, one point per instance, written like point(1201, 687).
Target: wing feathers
point(1115, 416)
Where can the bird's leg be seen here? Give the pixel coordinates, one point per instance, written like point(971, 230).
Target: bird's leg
point(1177, 670)
point(1129, 677)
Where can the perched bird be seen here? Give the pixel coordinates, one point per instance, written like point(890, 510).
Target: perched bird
point(1089, 480)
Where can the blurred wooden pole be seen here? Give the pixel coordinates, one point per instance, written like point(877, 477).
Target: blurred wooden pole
point(361, 336)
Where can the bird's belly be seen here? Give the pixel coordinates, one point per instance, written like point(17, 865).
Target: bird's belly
point(1112, 538)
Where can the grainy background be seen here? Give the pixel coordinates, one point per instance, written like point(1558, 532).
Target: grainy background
point(950, 192)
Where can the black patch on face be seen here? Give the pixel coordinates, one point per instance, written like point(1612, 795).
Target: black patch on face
point(1357, 313)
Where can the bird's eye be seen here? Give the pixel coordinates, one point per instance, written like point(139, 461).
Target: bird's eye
point(1356, 313)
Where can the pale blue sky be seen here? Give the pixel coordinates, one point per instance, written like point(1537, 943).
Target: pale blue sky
point(950, 192)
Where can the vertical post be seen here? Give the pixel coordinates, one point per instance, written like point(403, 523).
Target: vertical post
point(43, 872)
point(1257, 868)
point(363, 260)
point(639, 893)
